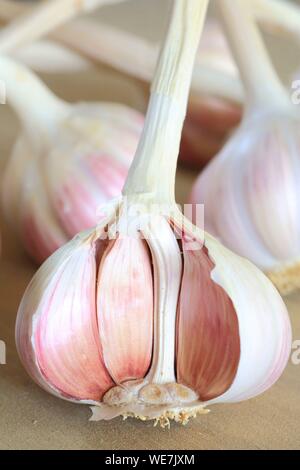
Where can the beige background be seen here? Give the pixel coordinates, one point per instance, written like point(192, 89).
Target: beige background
point(32, 419)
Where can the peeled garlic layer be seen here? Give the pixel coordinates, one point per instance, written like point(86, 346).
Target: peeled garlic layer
point(157, 327)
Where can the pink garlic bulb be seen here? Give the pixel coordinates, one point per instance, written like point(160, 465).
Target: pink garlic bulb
point(146, 315)
point(68, 161)
point(154, 328)
point(251, 189)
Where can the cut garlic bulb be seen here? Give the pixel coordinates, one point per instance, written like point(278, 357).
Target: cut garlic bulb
point(68, 160)
point(250, 190)
point(146, 315)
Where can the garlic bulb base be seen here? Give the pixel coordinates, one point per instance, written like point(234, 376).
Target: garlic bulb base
point(161, 416)
point(150, 401)
point(149, 394)
point(286, 278)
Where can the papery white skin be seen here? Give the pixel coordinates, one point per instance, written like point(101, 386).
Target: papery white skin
point(253, 204)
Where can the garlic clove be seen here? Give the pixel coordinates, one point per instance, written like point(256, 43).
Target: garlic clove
point(64, 341)
point(208, 342)
point(125, 308)
point(264, 326)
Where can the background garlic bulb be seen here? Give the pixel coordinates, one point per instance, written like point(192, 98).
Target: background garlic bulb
point(146, 315)
point(251, 189)
point(67, 162)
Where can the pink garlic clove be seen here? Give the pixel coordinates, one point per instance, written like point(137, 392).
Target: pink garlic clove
point(65, 335)
point(125, 308)
point(208, 342)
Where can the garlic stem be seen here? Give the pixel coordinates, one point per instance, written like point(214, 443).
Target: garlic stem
point(168, 104)
point(137, 57)
point(48, 56)
point(167, 272)
point(258, 74)
point(35, 104)
point(42, 19)
point(273, 15)
point(278, 15)
point(128, 53)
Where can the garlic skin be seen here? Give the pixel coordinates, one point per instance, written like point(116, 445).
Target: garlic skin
point(110, 319)
point(66, 163)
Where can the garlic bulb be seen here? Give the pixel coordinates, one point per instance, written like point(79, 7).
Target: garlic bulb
point(68, 160)
point(146, 315)
point(250, 190)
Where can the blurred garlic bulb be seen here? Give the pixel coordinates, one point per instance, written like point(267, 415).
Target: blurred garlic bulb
point(251, 189)
point(68, 160)
point(146, 315)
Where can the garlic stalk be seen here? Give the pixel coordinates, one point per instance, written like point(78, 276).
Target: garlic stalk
point(250, 190)
point(145, 315)
point(68, 160)
point(46, 56)
point(45, 17)
point(278, 16)
point(127, 52)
